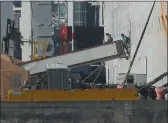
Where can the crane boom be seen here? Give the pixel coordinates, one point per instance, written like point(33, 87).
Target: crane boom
point(88, 56)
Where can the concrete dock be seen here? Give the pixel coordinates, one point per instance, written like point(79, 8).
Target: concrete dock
point(85, 112)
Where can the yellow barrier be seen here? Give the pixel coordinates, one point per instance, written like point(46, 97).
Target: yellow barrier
point(37, 44)
point(20, 95)
point(76, 95)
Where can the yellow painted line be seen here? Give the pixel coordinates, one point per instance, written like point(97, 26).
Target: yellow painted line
point(76, 95)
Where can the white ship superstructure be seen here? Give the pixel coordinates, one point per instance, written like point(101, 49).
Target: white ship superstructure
point(25, 28)
point(129, 18)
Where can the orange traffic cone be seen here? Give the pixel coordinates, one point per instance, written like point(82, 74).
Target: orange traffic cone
point(160, 93)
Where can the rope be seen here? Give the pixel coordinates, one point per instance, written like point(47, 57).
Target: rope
point(155, 80)
point(98, 74)
point(91, 74)
point(165, 85)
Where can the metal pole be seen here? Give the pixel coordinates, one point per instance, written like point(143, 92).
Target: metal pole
point(73, 27)
point(130, 29)
point(1, 42)
point(108, 73)
point(0, 31)
point(130, 38)
point(146, 65)
point(31, 31)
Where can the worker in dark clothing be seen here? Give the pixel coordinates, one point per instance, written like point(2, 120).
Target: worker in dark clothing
point(125, 38)
point(126, 43)
point(109, 38)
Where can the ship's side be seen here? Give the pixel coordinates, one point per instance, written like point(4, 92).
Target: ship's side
point(130, 18)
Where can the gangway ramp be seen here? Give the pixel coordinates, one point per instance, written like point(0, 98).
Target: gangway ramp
point(105, 52)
